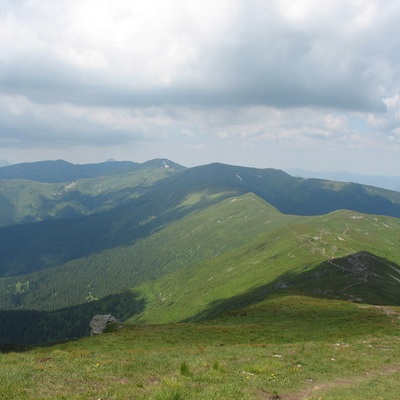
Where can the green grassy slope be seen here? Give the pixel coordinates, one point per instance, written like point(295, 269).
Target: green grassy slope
point(212, 255)
point(289, 348)
point(198, 244)
point(282, 258)
point(199, 236)
point(222, 257)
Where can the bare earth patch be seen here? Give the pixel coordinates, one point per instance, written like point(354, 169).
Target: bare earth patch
point(312, 390)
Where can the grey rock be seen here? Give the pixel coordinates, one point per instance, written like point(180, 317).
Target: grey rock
point(99, 323)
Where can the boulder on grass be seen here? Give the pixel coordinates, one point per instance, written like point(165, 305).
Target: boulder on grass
point(100, 322)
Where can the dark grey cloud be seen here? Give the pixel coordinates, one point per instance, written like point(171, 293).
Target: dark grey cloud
point(261, 57)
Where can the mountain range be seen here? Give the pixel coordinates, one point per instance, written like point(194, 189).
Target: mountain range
point(382, 181)
point(156, 242)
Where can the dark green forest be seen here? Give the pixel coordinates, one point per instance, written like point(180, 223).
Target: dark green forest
point(31, 327)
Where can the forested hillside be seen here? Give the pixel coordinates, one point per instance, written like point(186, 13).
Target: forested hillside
point(161, 243)
point(63, 171)
point(71, 194)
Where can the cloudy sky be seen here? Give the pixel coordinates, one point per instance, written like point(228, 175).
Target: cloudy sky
point(312, 84)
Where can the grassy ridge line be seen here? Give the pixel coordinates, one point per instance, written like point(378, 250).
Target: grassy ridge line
point(200, 235)
point(282, 347)
point(271, 263)
point(273, 242)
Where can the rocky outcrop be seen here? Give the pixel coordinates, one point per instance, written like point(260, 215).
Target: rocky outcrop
point(100, 322)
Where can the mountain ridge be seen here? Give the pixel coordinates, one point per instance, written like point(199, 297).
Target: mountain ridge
point(57, 171)
point(382, 181)
point(192, 242)
point(166, 200)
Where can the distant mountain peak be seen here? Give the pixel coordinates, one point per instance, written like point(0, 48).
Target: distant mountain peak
point(163, 163)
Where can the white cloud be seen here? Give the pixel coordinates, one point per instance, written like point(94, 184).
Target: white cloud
point(195, 74)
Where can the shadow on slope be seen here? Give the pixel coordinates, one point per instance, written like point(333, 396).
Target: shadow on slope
point(360, 277)
point(31, 247)
point(29, 327)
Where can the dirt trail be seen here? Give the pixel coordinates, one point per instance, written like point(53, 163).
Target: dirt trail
point(389, 310)
point(314, 389)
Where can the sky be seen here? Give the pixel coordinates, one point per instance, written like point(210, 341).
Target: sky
point(311, 84)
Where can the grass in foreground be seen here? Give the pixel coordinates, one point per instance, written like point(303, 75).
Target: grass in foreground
point(288, 348)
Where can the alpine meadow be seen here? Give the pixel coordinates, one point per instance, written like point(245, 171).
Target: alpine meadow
point(227, 282)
